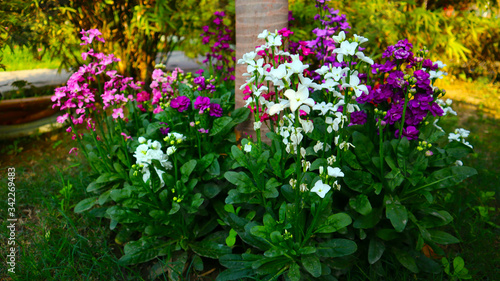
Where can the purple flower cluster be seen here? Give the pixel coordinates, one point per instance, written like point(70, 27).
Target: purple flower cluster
point(162, 87)
point(204, 84)
point(391, 93)
point(79, 95)
point(323, 44)
point(204, 103)
point(221, 50)
point(181, 103)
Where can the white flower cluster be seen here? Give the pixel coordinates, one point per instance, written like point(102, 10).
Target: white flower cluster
point(321, 188)
point(148, 151)
point(446, 106)
point(460, 135)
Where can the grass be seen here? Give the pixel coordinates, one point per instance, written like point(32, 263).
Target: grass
point(22, 59)
point(56, 244)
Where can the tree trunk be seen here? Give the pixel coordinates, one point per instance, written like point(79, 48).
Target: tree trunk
point(252, 17)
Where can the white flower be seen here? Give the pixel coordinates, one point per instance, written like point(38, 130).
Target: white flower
point(320, 188)
point(303, 187)
point(323, 107)
point(332, 159)
point(360, 39)
point(141, 140)
point(354, 84)
point(337, 73)
point(323, 70)
point(339, 38)
point(345, 49)
point(329, 85)
point(436, 74)
point(156, 145)
point(364, 58)
point(298, 98)
point(257, 125)
point(453, 137)
point(263, 34)
point(346, 145)
point(307, 125)
point(462, 132)
point(171, 150)
point(277, 108)
point(296, 137)
point(459, 163)
point(306, 165)
point(274, 40)
point(296, 66)
point(318, 146)
point(256, 66)
point(440, 64)
point(335, 172)
point(292, 182)
point(335, 124)
point(302, 152)
point(248, 147)
point(247, 58)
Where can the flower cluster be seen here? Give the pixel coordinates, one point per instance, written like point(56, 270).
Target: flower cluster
point(162, 87)
point(221, 55)
point(81, 96)
point(145, 153)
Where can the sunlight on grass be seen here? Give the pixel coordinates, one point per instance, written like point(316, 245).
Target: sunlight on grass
point(22, 59)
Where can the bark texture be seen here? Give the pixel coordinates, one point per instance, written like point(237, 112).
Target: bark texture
point(252, 17)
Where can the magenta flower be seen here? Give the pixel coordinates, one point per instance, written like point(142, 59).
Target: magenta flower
point(117, 113)
point(215, 110)
point(202, 103)
point(89, 35)
point(181, 103)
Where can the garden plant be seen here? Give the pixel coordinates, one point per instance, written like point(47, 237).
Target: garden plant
point(350, 175)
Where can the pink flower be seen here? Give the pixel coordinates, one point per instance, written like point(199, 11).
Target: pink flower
point(126, 136)
point(117, 112)
point(73, 150)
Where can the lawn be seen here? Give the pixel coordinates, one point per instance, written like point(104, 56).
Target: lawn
point(22, 59)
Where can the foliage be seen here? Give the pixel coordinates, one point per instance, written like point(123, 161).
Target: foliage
point(139, 30)
point(464, 37)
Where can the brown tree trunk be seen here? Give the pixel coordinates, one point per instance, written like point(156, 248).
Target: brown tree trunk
point(252, 17)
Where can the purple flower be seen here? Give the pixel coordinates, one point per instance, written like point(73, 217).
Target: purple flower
point(396, 80)
point(202, 103)
point(181, 103)
point(422, 78)
point(410, 132)
point(401, 54)
point(358, 118)
point(427, 64)
point(164, 130)
point(215, 110)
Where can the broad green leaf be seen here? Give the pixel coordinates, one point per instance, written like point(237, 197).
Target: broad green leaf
point(336, 248)
point(364, 148)
point(188, 168)
point(368, 221)
point(85, 204)
point(406, 259)
point(312, 264)
point(449, 177)
point(376, 249)
point(241, 180)
point(294, 272)
point(219, 124)
point(334, 223)
point(358, 181)
point(361, 204)
point(108, 177)
point(396, 213)
point(443, 238)
point(210, 249)
point(143, 250)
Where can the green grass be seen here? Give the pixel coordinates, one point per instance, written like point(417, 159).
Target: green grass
point(53, 242)
point(23, 59)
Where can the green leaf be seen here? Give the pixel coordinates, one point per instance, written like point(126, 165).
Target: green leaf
point(368, 221)
point(123, 215)
point(294, 272)
point(108, 177)
point(375, 250)
point(334, 223)
point(336, 248)
point(240, 115)
point(241, 180)
point(235, 274)
point(361, 204)
point(312, 264)
point(357, 180)
point(85, 204)
point(442, 237)
point(406, 259)
point(210, 249)
point(449, 177)
point(219, 124)
point(271, 191)
point(188, 168)
point(395, 178)
point(396, 213)
point(364, 148)
point(143, 250)
point(239, 156)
